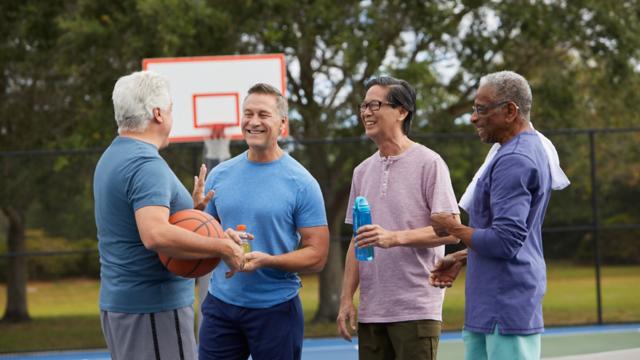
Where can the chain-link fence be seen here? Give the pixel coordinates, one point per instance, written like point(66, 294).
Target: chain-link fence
point(593, 224)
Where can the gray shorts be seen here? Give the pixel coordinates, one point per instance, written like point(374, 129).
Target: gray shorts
point(165, 335)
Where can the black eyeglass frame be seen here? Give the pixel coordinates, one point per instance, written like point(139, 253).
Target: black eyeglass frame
point(482, 110)
point(374, 105)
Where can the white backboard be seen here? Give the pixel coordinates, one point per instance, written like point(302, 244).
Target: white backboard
point(208, 91)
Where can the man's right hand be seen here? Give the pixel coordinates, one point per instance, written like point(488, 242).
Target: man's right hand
point(445, 272)
point(347, 313)
point(234, 256)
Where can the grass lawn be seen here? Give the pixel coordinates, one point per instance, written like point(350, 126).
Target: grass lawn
point(65, 313)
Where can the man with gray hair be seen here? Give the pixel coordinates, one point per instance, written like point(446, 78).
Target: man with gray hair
point(506, 203)
point(145, 310)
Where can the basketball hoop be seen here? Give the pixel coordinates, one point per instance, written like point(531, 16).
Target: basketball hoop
point(209, 90)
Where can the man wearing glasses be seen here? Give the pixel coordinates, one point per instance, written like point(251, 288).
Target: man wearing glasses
point(400, 314)
point(506, 202)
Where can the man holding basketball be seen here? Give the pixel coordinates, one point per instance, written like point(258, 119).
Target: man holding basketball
point(506, 202)
point(257, 312)
point(400, 315)
point(146, 311)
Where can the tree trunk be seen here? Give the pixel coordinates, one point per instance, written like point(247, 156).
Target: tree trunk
point(16, 310)
point(331, 276)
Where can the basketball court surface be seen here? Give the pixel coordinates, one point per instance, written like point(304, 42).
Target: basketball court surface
point(611, 342)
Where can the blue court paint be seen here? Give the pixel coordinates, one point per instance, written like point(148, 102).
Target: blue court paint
point(332, 348)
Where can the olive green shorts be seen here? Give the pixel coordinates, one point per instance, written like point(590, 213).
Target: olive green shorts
point(405, 340)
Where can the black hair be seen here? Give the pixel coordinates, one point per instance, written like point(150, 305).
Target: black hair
point(400, 94)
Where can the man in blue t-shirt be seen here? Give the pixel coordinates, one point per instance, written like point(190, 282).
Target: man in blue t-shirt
point(257, 311)
point(146, 311)
point(506, 202)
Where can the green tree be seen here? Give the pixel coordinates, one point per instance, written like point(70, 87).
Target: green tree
point(332, 48)
point(31, 101)
point(61, 59)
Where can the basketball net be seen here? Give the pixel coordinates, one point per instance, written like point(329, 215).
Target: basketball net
point(216, 148)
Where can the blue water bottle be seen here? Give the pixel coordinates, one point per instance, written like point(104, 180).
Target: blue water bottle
point(362, 216)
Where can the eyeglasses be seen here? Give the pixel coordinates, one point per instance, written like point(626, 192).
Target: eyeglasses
point(373, 105)
point(484, 109)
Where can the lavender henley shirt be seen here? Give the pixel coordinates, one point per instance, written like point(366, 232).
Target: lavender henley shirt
point(402, 192)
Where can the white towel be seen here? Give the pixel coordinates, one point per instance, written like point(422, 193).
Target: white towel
point(559, 180)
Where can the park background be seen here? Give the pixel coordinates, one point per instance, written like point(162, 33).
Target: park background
point(60, 60)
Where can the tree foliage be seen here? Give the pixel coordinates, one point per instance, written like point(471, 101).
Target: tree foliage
point(60, 60)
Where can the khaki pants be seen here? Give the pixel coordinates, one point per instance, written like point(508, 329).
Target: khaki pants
point(405, 340)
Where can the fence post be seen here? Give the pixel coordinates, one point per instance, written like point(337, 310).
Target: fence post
point(595, 221)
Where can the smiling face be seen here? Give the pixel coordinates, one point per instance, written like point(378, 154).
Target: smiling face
point(384, 122)
point(491, 118)
point(261, 123)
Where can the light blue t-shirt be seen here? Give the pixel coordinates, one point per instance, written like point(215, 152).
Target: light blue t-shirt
point(273, 199)
point(131, 175)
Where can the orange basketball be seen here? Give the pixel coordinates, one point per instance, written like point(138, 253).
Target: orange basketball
point(201, 223)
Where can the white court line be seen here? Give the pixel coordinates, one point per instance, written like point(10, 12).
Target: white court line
point(608, 355)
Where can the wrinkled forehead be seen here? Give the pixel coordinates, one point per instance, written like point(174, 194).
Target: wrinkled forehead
point(257, 102)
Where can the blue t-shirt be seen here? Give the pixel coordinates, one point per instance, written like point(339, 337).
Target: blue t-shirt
point(131, 175)
point(273, 199)
point(506, 277)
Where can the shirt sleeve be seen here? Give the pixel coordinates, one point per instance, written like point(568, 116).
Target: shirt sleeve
point(150, 185)
point(310, 206)
point(438, 190)
point(511, 180)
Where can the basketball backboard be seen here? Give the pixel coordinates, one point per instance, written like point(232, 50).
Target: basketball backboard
point(208, 91)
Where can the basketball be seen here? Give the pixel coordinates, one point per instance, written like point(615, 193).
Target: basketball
point(201, 223)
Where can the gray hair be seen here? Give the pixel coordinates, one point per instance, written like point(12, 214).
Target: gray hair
point(510, 86)
point(134, 98)
point(266, 89)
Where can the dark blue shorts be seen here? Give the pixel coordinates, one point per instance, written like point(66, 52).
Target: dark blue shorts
point(233, 332)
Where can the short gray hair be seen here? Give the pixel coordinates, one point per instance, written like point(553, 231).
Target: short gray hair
point(134, 98)
point(510, 86)
point(266, 89)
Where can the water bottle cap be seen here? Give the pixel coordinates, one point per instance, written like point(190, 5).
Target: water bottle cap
point(361, 203)
point(241, 227)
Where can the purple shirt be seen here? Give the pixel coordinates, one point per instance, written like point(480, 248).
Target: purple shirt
point(402, 192)
point(506, 275)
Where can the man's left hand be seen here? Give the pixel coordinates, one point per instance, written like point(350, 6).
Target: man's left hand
point(255, 260)
point(200, 201)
